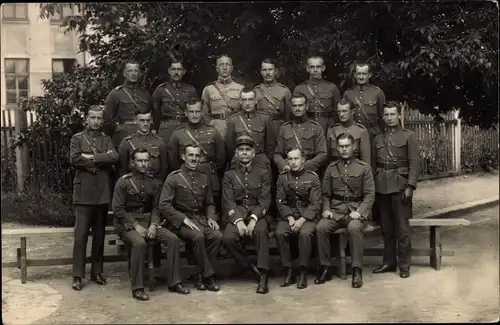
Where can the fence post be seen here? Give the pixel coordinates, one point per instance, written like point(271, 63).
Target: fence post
point(21, 150)
point(457, 150)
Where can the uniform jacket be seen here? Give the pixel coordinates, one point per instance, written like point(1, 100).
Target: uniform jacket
point(251, 196)
point(135, 200)
point(299, 195)
point(225, 101)
point(311, 137)
point(156, 147)
point(361, 139)
point(322, 95)
point(372, 100)
point(92, 182)
point(274, 100)
point(169, 100)
point(180, 199)
point(398, 160)
point(348, 186)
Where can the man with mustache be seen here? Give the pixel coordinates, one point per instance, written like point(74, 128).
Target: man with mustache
point(322, 95)
point(169, 100)
point(187, 203)
point(221, 98)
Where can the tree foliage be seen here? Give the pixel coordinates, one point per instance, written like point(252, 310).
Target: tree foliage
point(436, 56)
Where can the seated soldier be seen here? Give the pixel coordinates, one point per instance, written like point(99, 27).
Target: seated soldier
point(348, 195)
point(187, 203)
point(246, 196)
point(299, 203)
point(135, 202)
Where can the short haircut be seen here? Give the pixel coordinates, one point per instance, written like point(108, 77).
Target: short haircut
point(315, 57)
point(191, 146)
point(345, 101)
point(344, 136)
point(174, 61)
point(392, 103)
point(192, 101)
point(223, 56)
point(138, 150)
point(362, 64)
point(134, 62)
point(299, 95)
point(270, 61)
point(142, 110)
point(95, 108)
point(248, 90)
point(302, 153)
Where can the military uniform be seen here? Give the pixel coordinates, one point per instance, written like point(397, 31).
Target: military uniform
point(298, 195)
point(398, 166)
point(274, 100)
point(311, 136)
point(135, 201)
point(323, 97)
point(347, 186)
point(187, 194)
point(361, 141)
point(220, 100)
point(169, 102)
point(246, 193)
point(121, 104)
point(213, 156)
point(258, 126)
point(156, 147)
point(91, 195)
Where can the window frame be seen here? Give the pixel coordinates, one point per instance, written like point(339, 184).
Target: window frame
point(61, 6)
point(26, 11)
point(56, 75)
point(16, 75)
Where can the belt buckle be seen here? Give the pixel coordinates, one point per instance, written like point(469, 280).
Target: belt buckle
point(346, 199)
point(245, 202)
point(298, 204)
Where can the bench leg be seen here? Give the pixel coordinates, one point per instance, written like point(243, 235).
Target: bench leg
point(435, 245)
point(341, 256)
point(129, 257)
point(23, 258)
point(150, 267)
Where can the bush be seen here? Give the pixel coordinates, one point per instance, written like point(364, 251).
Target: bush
point(9, 176)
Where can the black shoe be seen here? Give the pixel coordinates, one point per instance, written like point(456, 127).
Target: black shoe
point(324, 276)
point(139, 294)
point(77, 283)
point(263, 288)
point(357, 277)
point(98, 278)
point(255, 270)
point(179, 288)
point(404, 273)
point(302, 284)
point(289, 278)
point(200, 285)
point(211, 285)
point(385, 268)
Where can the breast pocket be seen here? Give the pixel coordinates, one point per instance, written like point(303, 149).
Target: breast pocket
point(399, 148)
point(308, 140)
point(183, 191)
point(325, 97)
point(154, 152)
point(233, 99)
point(370, 107)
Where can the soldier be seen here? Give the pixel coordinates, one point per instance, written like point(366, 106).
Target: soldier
point(221, 98)
point(135, 206)
point(169, 100)
point(348, 195)
point(256, 125)
point(196, 132)
point(122, 102)
point(299, 204)
point(396, 176)
point(92, 154)
point(323, 95)
point(273, 98)
point(187, 203)
point(347, 125)
point(246, 196)
point(301, 133)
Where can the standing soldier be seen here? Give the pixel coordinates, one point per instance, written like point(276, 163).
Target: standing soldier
point(347, 125)
point(396, 176)
point(301, 133)
point(169, 100)
point(92, 153)
point(221, 98)
point(254, 124)
point(322, 95)
point(213, 150)
point(187, 203)
point(348, 195)
point(246, 196)
point(135, 206)
point(122, 102)
point(299, 204)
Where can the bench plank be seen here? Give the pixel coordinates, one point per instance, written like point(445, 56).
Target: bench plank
point(438, 222)
point(46, 231)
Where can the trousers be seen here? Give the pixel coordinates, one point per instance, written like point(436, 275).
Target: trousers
point(305, 238)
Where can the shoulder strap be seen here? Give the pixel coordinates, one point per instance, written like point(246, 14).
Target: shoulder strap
point(361, 108)
point(190, 187)
point(247, 129)
point(129, 96)
point(133, 185)
point(88, 142)
point(314, 97)
point(344, 181)
point(239, 180)
point(297, 139)
point(195, 141)
point(387, 147)
point(220, 93)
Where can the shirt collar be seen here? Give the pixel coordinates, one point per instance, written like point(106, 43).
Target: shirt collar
point(270, 84)
point(186, 169)
point(131, 85)
point(139, 133)
point(225, 81)
point(347, 162)
point(93, 133)
point(176, 84)
point(138, 175)
point(348, 123)
point(246, 168)
point(300, 120)
point(393, 129)
point(298, 173)
point(362, 87)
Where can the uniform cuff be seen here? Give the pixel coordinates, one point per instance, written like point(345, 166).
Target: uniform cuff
point(253, 216)
point(237, 220)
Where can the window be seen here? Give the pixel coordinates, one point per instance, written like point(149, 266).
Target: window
point(15, 11)
point(62, 66)
point(62, 11)
point(16, 79)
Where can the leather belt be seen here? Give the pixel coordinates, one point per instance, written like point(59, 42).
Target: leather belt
point(178, 118)
point(194, 210)
point(392, 165)
point(347, 198)
point(126, 122)
point(246, 202)
point(319, 114)
point(299, 204)
point(220, 116)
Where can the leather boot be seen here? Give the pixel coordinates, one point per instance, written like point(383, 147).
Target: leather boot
point(263, 287)
point(199, 284)
point(77, 283)
point(179, 288)
point(357, 277)
point(289, 278)
point(302, 284)
point(385, 268)
point(139, 294)
point(324, 275)
point(210, 284)
point(98, 278)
